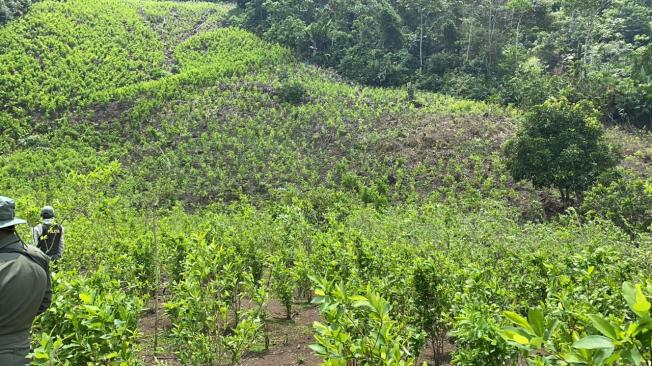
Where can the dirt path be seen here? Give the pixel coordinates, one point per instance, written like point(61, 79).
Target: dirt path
point(288, 339)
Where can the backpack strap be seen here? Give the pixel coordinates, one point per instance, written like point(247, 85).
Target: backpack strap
point(19, 251)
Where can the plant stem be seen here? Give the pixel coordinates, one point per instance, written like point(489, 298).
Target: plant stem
point(157, 279)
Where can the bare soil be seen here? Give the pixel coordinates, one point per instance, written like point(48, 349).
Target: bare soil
point(288, 339)
point(146, 327)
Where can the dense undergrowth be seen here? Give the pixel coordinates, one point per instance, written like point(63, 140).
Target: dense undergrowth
point(271, 179)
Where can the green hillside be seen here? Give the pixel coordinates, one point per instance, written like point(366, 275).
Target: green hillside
point(195, 163)
point(237, 115)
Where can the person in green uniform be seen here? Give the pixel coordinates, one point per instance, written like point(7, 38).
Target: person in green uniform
point(25, 289)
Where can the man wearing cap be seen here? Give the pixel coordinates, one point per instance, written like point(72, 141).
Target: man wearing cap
point(48, 235)
point(24, 288)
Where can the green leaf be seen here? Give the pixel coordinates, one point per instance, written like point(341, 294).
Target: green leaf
point(358, 298)
point(41, 356)
point(361, 301)
point(535, 318)
point(603, 326)
point(616, 356)
point(519, 339)
point(636, 299)
point(632, 355)
point(536, 342)
point(518, 320)
point(319, 327)
point(318, 348)
point(86, 298)
point(593, 342)
point(572, 357)
point(632, 330)
point(110, 356)
point(601, 355)
point(515, 336)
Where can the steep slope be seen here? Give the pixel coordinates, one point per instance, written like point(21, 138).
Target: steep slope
point(62, 52)
point(223, 113)
point(199, 113)
point(323, 177)
point(55, 58)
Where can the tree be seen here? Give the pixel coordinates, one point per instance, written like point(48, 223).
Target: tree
point(10, 9)
point(584, 15)
point(561, 145)
point(642, 68)
point(421, 15)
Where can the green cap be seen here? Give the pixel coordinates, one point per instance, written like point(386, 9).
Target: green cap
point(8, 213)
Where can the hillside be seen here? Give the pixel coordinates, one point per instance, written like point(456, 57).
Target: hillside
point(223, 107)
point(195, 163)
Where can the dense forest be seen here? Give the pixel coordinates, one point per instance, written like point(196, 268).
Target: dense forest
point(512, 52)
point(336, 183)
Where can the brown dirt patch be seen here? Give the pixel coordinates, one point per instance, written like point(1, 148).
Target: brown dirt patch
point(288, 339)
point(146, 327)
point(636, 147)
point(427, 355)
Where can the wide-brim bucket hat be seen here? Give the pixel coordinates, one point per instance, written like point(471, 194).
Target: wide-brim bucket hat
point(8, 213)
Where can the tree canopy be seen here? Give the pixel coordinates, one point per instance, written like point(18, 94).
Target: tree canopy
point(485, 49)
point(561, 145)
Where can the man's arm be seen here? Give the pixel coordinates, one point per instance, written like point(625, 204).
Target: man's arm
point(36, 233)
point(43, 261)
point(59, 252)
point(47, 297)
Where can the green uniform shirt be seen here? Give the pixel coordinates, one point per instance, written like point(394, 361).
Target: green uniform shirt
point(25, 291)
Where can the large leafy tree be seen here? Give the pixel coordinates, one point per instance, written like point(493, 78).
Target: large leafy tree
point(363, 40)
point(10, 9)
point(561, 145)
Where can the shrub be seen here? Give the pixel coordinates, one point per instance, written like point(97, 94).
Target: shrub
point(626, 201)
point(360, 329)
point(605, 340)
point(292, 92)
point(90, 320)
point(432, 302)
point(561, 145)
